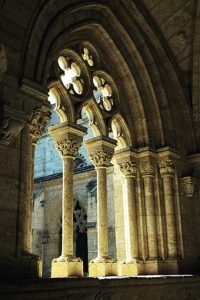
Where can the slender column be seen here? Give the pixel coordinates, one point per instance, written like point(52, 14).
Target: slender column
point(128, 169)
point(147, 171)
point(67, 140)
point(67, 207)
point(100, 152)
point(167, 173)
point(40, 118)
point(25, 196)
point(101, 160)
point(102, 224)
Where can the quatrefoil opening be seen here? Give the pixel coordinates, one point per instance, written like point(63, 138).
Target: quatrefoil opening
point(72, 75)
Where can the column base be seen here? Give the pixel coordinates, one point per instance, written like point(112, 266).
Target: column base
point(127, 269)
point(171, 266)
point(151, 267)
point(66, 267)
point(102, 268)
point(148, 267)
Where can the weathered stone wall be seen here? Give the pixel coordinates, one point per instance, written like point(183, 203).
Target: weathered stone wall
point(9, 166)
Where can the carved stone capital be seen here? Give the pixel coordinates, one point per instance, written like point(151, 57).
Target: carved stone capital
point(100, 150)
point(67, 138)
point(11, 124)
point(128, 168)
point(167, 168)
point(68, 147)
point(38, 122)
point(147, 168)
point(100, 158)
point(187, 186)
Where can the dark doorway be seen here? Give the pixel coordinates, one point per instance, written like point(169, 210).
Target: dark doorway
point(82, 249)
point(80, 221)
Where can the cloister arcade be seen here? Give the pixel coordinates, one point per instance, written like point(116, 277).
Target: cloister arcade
point(133, 68)
point(150, 223)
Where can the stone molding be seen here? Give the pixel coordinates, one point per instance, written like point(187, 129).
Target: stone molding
point(68, 147)
point(34, 89)
point(128, 168)
point(167, 168)
point(38, 122)
point(147, 168)
point(101, 158)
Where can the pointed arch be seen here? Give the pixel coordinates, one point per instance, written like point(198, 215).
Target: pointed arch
point(95, 117)
point(64, 106)
point(121, 132)
point(156, 114)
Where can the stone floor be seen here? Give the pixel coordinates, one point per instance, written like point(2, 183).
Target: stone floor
point(184, 287)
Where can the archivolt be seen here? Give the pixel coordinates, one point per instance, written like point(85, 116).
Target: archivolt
point(151, 96)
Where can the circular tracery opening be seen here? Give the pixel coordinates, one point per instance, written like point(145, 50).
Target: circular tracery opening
point(83, 81)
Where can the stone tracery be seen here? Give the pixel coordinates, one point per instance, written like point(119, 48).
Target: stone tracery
point(72, 75)
point(80, 75)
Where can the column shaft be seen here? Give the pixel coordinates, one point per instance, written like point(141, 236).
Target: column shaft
point(130, 218)
point(150, 217)
point(24, 244)
point(102, 224)
point(67, 139)
point(67, 207)
point(170, 216)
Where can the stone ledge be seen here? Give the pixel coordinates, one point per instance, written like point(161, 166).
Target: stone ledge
point(126, 288)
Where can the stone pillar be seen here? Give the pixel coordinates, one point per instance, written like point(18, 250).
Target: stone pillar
point(148, 172)
point(101, 151)
point(39, 120)
point(102, 224)
point(24, 114)
point(128, 169)
point(67, 139)
point(167, 174)
point(32, 131)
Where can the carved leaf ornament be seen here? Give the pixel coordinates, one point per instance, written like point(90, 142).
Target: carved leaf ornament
point(68, 147)
point(39, 120)
point(100, 158)
point(167, 167)
point(128, 168)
